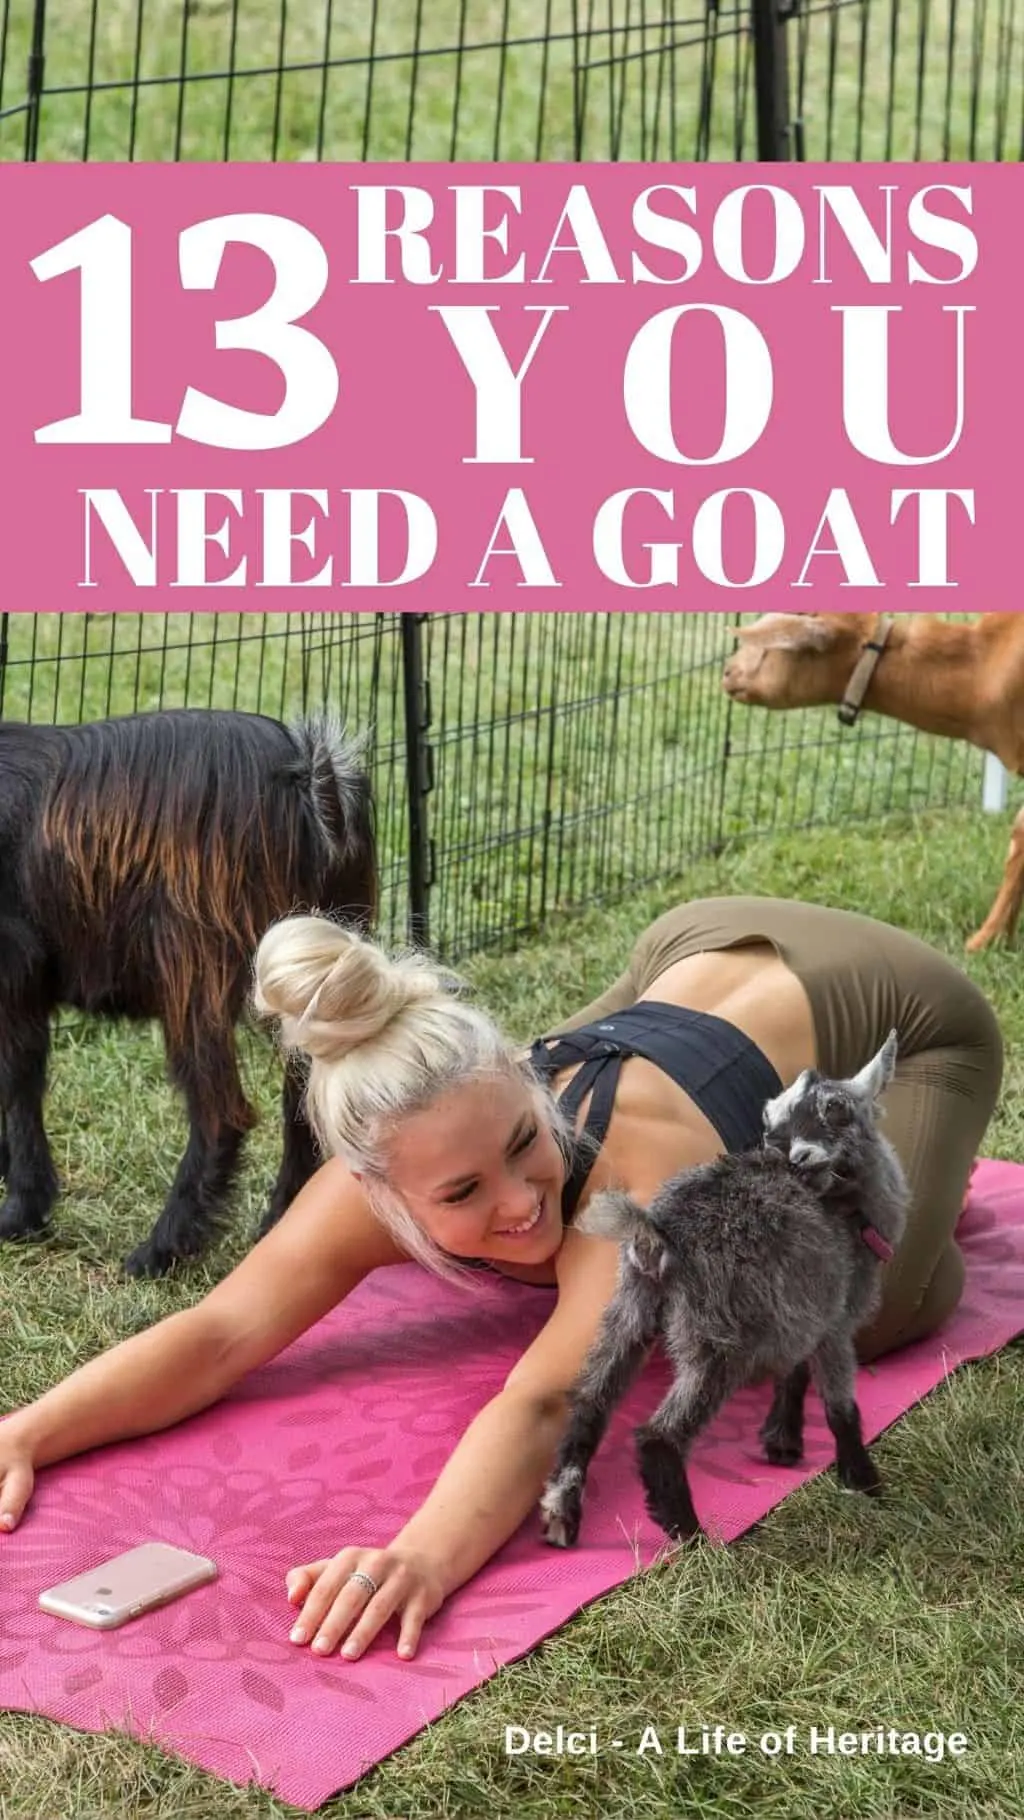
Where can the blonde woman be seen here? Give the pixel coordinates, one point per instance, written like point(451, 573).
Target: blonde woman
point(448, 1147)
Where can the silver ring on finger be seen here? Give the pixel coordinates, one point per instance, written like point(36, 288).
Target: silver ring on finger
point(366, 1580)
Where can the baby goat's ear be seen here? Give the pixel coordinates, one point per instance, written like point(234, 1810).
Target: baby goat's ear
point(873, 1080)
point(777, 1111)
point(610, 1215)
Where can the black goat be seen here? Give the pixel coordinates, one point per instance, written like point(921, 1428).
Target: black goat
point(141, 860)
point(761, 1263)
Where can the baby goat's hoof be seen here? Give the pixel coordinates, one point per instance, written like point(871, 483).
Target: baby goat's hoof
point(860, 1476)
point(678, 1526)
point(782, 1449)
point(561, 1507)
point(679, 1522)
point(666, 1492)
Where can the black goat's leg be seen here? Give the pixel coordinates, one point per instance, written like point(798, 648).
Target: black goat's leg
point(782, 1432)
point(31, 1177)
point(5, 1148)
point(663, 1444)
point(219, 1117)
point(835, 1371)
point(299, 1157)
point(612, 1364)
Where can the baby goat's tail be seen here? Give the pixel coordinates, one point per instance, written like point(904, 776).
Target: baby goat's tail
point(611, 1215)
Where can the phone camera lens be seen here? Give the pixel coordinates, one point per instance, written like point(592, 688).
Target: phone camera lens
point(104, 1591)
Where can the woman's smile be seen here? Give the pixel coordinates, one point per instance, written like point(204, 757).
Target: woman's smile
point(534, 1227)
point(520, 1231)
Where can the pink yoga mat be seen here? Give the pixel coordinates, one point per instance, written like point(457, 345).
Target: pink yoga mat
point(337, 1442)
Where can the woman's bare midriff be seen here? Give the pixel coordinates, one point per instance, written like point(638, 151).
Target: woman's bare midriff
point(656, 1130)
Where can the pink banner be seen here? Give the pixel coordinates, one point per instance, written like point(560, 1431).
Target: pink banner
point(443, 387)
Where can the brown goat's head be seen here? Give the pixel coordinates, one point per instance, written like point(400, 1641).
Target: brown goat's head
point(795, 660)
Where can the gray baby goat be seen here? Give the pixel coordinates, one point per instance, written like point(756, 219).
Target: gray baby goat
point(759, 1264)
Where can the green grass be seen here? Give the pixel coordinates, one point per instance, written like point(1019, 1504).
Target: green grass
point(831, 1611)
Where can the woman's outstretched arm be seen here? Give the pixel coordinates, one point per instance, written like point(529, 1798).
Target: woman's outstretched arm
point(322, 1247)
point(491, 1482)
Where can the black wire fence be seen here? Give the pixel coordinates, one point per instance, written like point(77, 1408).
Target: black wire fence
point(511, 79)
point(523, 763)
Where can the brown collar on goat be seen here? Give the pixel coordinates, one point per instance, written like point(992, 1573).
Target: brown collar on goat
point(864, 670)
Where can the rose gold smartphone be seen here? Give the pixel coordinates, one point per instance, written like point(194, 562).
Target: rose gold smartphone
point(130, 1584)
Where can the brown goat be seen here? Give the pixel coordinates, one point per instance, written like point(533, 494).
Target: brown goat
point(965, 681)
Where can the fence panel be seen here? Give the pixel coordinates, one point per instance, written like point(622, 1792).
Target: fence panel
point(907, 79)
point(512, 79)
point(577, 758)
point(456, 79)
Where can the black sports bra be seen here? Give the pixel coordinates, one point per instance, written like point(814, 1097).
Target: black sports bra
point(727, 1077)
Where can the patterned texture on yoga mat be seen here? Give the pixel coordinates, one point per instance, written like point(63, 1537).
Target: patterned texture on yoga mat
point(336, 1442)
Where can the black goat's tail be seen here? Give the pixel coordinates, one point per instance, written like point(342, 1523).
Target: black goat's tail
point(341, 798)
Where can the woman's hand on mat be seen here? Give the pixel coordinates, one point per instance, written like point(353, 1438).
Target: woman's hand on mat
point(338, 1610)
point(17, 1478)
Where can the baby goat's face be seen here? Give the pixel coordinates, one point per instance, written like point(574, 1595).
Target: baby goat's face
point(816, 1123)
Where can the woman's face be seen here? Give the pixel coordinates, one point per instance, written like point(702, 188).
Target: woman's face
point(480, 1171)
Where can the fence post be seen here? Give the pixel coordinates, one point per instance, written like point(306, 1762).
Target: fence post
point(771, 79)
point(579, 82)
point(993, 788)
point(34, 81)
point(419, 774)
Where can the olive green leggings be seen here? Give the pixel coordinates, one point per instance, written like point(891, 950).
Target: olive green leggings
point(863, 979)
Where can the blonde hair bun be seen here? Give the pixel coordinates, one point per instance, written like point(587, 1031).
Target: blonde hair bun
point(332, 989)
